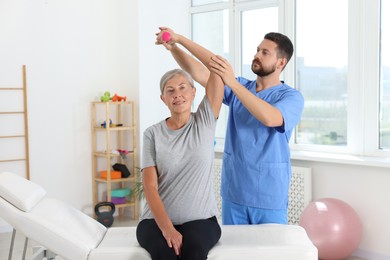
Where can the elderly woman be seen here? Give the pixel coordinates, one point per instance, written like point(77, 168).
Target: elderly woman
point(178, 221)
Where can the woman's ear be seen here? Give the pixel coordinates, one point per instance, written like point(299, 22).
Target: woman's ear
point(163, 99)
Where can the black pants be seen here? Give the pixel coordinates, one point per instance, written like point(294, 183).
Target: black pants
point(199, 236)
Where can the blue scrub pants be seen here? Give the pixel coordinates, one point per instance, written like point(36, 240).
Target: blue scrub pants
point(235, 214)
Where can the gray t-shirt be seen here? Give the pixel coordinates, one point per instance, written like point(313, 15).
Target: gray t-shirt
point(184, 160)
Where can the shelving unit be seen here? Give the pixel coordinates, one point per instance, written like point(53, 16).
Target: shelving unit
point(107, 139)
point(16, 137)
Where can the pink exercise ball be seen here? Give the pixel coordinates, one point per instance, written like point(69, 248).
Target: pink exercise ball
point(333, 226)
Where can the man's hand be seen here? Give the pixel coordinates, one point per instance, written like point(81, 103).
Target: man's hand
point(222, 68)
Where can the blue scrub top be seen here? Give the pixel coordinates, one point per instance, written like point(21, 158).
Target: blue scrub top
point(256, 163)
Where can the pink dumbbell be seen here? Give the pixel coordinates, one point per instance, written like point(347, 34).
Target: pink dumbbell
point(166, 36)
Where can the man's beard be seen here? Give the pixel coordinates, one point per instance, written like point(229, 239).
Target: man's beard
point(262, 71)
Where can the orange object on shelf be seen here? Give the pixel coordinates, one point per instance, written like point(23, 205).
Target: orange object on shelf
point(118, 98)
point(114, 174)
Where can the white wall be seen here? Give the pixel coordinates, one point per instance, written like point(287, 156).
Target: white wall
point(75, 50)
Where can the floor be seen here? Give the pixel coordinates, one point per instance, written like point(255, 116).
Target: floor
point(5, 240)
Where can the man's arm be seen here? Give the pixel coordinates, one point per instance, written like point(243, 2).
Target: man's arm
point(260, 109)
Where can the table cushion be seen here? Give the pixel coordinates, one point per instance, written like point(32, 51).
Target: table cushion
point(28, 193)
point(266, 242)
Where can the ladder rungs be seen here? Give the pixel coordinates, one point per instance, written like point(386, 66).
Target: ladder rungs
point(13, 160)
point(12, 136)
point(12, 112)
point(11, 88)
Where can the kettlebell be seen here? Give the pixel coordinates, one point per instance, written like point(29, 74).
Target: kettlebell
point(105, 217)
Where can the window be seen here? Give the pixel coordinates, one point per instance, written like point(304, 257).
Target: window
point(341, 64)
point(384, 119)
point(321, 71)
point(204, 2)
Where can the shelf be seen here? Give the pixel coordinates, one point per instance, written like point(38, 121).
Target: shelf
point(103, 154)
point(116, 128)
point(121, 135)
point(127, 204)
point(113, 102)
point(129, 179)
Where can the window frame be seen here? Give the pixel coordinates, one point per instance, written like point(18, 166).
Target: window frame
point(363, 72)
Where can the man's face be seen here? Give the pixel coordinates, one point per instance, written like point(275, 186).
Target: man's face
point(265, 60)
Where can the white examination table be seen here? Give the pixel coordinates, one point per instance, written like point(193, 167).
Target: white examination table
point(73, 235)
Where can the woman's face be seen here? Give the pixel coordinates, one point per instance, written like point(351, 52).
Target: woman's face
point(178, 94)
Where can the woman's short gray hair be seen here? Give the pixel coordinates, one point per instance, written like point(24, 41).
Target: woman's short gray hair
point(170, 74)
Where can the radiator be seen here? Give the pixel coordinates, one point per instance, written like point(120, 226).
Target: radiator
point(299, 194)
point(217, 185)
